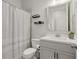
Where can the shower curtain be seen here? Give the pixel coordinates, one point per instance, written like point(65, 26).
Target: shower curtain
point(15, 31)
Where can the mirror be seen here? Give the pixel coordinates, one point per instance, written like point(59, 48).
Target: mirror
point(61, 18)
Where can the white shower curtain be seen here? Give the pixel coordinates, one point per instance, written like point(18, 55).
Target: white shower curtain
point(15, 31)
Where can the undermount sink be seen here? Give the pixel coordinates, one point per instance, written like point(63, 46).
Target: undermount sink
point(59, 39)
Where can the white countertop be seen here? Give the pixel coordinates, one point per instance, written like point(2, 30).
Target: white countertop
point(60, 40)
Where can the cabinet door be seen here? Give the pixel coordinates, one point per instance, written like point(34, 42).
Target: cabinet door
point(65, 55)
point(46, 53)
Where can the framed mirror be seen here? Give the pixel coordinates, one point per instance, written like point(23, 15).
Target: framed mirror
point(61, 17)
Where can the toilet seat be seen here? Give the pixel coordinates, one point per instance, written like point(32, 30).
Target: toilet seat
point(29, 52)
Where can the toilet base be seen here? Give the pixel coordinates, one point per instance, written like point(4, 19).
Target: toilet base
point(33, 57)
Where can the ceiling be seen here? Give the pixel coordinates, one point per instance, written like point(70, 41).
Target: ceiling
point(35, 4)
point(29, 5)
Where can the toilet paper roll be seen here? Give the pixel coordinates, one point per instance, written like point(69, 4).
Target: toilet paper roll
point(38, 46)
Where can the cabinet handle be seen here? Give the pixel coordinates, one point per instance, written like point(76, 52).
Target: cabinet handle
point(57, 55)
point(54, 55)
point(74, 47)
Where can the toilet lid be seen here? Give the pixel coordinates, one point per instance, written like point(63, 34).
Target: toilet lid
point(29, 51)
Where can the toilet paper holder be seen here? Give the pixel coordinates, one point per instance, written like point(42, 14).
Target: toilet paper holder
point(37, 53)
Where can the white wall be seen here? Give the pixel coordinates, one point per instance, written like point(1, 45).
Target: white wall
point(37, 7)
point(39, 30)
point(73, 17)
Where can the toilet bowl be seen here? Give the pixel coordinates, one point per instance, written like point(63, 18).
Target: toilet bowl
point(30, 52)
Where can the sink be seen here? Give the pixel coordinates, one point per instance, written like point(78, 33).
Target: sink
point(59, 39)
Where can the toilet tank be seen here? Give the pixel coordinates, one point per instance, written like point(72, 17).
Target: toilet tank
point(35, 43)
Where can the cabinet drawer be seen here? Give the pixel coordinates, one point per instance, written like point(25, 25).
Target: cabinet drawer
point(59, 46)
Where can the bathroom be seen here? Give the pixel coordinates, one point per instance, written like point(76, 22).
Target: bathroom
point(39, 29)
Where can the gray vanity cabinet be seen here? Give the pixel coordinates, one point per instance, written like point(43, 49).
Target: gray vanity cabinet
point(47, 53)
point(65, 55)
point(54, 50)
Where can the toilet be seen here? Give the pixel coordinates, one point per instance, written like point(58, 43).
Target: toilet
point(30, 52)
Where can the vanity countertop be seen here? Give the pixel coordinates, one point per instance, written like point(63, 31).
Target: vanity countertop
point(63, 40)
